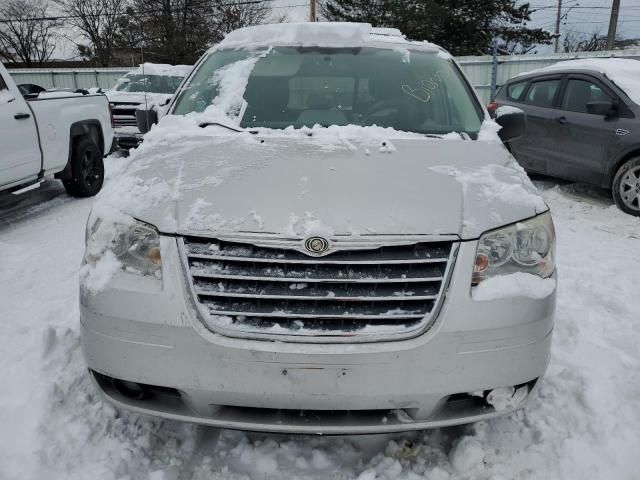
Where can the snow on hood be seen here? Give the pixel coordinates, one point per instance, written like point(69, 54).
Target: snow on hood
point(162, 70)
point(378, 181)
point(138, 98)
point(624, 72)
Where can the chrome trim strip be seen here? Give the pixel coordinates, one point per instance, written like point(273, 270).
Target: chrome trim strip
point(317, 280)
point(316, 261)
point(227, 313)
point(213, 293)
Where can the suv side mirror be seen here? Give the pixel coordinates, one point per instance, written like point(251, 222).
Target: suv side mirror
point(146, 118)
point(513, 122)
point(602, 107)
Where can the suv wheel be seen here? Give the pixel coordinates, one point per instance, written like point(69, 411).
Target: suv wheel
point(626, 187)
point(87, 169)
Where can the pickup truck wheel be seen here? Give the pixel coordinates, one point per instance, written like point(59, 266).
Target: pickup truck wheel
point(87, 169)
point(626, 187)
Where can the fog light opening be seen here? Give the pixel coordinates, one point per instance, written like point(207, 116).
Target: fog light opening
point(506, 398)
point(132, 390)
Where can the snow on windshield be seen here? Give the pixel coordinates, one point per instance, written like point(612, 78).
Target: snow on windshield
point(408, 90)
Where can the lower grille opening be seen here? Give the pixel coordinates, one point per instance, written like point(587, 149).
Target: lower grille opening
point(134, 390)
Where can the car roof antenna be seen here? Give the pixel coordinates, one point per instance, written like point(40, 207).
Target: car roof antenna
point(146, 105)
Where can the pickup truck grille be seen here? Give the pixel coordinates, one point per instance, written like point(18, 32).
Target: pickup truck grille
point(124, 114)
point(369, 291)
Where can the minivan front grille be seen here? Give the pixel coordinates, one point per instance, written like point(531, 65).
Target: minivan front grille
point(353, 294)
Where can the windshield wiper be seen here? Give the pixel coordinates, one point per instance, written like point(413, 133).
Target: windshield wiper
point(463, 135)
point(218, 124)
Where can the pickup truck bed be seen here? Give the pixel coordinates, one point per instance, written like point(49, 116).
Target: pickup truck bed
point(65, 135)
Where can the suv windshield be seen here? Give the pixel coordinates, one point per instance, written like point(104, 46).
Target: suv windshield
point(148, 83)
point(413, 91)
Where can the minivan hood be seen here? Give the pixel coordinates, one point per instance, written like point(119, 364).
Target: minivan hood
point(297, 186)
point(137, 98)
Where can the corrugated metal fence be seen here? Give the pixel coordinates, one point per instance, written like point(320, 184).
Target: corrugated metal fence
point(69, 78)
point(478, 69)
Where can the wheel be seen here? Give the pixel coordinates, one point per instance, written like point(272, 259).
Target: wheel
point(87, 169)
point(626, 187)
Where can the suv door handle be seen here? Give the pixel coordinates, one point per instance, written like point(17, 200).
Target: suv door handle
point(561, 120)
point(21, 116)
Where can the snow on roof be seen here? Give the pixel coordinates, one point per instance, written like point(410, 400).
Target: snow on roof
point(387, 32)
point(310, 34)
point(162, 69)
point(300, 34)
point(624, 72)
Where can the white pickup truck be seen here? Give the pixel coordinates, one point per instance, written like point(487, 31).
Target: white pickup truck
point(62, 135)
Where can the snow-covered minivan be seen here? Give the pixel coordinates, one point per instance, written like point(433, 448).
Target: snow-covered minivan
point(324, 235)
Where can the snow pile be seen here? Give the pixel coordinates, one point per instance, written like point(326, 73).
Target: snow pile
point(622, 71)
point(489, 132)
point(96, 276)
point(514, 285)
point(507, 110)
point(58, 94)
point(307, 226)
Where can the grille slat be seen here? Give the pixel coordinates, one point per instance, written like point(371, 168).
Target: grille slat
point(213, 293)
point(316, 261)
point(356, 291)
point(202, 274)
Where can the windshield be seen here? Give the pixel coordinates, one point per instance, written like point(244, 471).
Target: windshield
point(413, 91)
point(148, 83)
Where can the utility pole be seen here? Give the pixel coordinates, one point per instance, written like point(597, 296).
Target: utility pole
point(558, 20)
point(312, 10)
point(613, 24)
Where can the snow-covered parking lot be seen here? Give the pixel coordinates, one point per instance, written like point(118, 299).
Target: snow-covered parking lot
point(584, 424)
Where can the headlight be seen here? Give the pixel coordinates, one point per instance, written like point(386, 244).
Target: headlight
point(135, 244)
point(527, 246)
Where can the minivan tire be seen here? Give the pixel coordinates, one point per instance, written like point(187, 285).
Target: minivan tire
point(627, 179)
point(87, 169)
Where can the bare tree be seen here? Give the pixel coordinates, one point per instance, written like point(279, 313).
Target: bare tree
point(580, 42)
point(98, 22)
point(179, 31)
point(230, 15)
point(27, 34)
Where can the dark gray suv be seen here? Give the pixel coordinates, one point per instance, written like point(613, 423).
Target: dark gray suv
point(583, 124)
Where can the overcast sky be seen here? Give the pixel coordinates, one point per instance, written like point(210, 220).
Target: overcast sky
point(585, 16)
point(581, 16)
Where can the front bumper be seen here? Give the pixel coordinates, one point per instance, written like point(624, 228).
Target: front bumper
point(146, 331)
point(128, 137)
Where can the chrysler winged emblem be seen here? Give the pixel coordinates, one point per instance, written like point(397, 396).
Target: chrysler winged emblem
point(316, 245)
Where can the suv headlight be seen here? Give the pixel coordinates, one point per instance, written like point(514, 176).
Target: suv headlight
point(135, 244)
point(528, 246)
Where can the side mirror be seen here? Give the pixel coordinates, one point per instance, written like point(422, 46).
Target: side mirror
point(602, 107)
point(513, 122)
point(146, 118)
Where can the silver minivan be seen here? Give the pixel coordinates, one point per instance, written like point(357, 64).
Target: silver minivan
point(325, 234)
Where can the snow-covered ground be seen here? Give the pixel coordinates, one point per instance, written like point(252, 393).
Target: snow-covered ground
point(584, 424)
